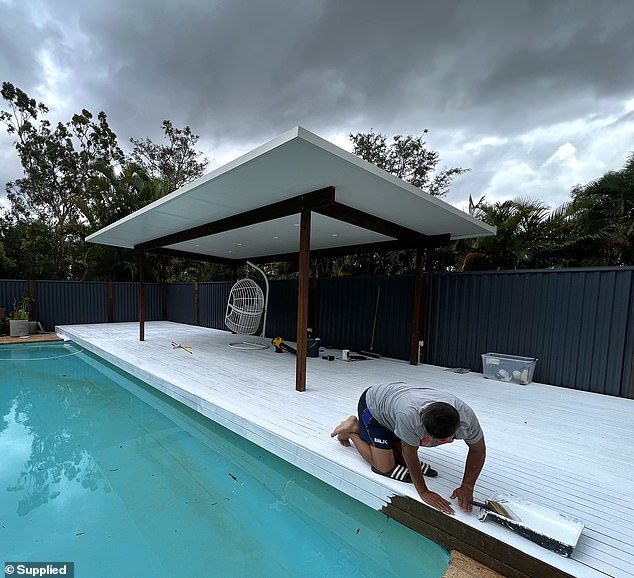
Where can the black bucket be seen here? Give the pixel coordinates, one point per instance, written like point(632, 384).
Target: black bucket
point(313, 347)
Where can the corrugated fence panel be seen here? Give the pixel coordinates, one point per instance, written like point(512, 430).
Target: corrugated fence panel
point(71, 302)
point(366, 314)
point(125, 302)
point(212, 304)
point(11, 291)
point(180, 303)
point(281, 319)
point(577, 322)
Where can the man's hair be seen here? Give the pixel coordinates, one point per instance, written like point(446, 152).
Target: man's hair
point(441, 420)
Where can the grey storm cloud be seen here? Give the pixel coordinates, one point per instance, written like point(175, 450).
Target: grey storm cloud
point(240, 72)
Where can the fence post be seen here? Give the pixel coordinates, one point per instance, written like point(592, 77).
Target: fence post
point(32, 297)
point(195, 302)
point(110, 302)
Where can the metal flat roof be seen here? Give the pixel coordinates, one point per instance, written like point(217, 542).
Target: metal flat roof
point(250, 207)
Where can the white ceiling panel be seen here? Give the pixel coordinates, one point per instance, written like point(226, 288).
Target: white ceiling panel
point(293, 164)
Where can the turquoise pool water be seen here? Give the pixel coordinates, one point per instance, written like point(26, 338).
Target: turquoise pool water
point(100, 469)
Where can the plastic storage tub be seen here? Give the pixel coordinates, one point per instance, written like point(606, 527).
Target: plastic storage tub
point(509, 368)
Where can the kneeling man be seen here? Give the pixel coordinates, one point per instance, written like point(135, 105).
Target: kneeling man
point(394, 419)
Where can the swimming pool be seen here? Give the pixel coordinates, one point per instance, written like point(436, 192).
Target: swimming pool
point(100, 469)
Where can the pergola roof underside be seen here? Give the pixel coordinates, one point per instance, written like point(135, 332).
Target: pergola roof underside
point(294, 164)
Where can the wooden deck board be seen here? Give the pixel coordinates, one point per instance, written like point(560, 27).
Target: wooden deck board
point(566, 449)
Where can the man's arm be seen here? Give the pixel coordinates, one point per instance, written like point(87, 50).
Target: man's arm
point(410, 455)
point(473, 467)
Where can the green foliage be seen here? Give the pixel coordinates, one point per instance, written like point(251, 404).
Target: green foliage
point(521, 239)
point(175, 163)
point(7, 266)
point(603, 211)
point(76, 181)
point(407, 158)
point(22, 310)
point(58, 162)
point(595, 228)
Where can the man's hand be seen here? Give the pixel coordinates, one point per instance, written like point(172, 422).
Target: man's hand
point(465, 497)
point(437, 501)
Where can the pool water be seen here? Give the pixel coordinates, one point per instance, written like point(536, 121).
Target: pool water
point(100, 469)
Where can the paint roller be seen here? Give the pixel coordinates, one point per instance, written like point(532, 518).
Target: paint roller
point(546, 527)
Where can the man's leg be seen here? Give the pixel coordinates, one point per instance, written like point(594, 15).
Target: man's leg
point(348, 431)
point(381, 460)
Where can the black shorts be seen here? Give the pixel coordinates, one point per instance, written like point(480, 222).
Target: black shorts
point(370, 430)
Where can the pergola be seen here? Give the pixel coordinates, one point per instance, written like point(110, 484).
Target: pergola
point(293, 198)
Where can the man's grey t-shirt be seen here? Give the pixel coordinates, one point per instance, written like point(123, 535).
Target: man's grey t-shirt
point(397, 406)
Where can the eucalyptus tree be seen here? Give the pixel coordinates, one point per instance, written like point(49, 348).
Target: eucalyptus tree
point(57, 162)
point(175, 163)
point(410, 159)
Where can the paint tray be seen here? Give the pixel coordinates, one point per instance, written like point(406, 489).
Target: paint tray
point(544, 526)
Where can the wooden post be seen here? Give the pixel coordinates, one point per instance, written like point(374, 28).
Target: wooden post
point(33, 302)
point(302, 300)
point(141, 296)
point(414, 348)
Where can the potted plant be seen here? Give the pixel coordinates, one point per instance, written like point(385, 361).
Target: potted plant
point(19, 321)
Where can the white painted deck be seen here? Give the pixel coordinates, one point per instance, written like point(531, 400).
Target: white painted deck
point(570, 450)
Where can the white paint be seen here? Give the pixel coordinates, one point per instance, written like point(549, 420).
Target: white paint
point(540, 519)
point(567, 450)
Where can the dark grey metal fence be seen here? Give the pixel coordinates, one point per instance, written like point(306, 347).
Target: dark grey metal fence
point(180, 303)
point(125, 302)
point(212, 303)
point(579, 323)
point(366, 313)
point(11, 291)
point(69, 302)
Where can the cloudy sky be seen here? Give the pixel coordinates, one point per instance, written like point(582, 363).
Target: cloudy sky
point(534, 96)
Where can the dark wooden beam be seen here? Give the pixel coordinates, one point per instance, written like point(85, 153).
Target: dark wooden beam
point(380, 247)
point(33, 300)
point(371, 222)
point(302, 301)
point(141, 296)
point(277, 210)
point(455, 535)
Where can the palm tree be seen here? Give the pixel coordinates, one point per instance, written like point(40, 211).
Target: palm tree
point(604, 214)
point(522, 241)
point(112, 195)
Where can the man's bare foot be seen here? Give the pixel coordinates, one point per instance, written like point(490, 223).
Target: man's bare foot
point(348, 426)
point(344, 439)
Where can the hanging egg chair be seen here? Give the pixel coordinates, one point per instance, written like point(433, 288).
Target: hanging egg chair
point(246, 308)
